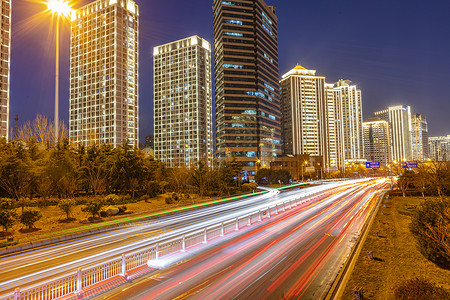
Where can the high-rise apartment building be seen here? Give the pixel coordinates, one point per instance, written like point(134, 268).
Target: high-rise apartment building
point(5, 56)
point(335, 127)
point(419, 137)
point(399, 118)
point(183, 102)
point(439, 148)
point(304, 107)
point(246, 83)
point(377, 141)
point(351, 119)
point(104, 73)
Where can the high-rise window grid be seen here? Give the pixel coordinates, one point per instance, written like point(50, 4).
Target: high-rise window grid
point(246, 80)
point(5, 56)
point(183, 102)
point(304, 114)
point(351, 120)
point(104, 73)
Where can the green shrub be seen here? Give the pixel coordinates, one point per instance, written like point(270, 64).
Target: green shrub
point(169, 200)
point(66, 206)
point(112, 199)
point(420, 289)
point(429, 226)
point(29, 217)
point(94, 207)
point(174, 197)
point(7, 213)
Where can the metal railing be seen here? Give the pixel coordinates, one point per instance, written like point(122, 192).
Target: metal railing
point(76, 282)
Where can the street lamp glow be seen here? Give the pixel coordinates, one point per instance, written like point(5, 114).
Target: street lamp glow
point(59, 7)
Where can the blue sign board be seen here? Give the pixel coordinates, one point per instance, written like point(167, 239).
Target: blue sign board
point(373, 165)
point(409, 164)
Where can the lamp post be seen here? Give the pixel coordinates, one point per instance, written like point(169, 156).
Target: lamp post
point(303, 164)
point(60, 8)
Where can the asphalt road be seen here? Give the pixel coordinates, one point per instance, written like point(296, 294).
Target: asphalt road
point(32, 267)
point(294, 255)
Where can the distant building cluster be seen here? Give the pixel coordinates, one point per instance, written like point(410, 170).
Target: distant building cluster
point(261, 120)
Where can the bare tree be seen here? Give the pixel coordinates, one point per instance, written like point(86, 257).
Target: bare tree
point(41, 130)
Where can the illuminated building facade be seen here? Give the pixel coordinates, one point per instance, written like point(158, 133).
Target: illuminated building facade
point(439, 148)
point(335, 127)
point(399, 118)
point(247, 89)
point(419, 137)
point(377, 141)
point(304, 107)
point(104, 79)
point(351, 120)
point(5, 44)
point(183, 102)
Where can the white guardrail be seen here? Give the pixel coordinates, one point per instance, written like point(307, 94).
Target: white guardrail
point(75, 283)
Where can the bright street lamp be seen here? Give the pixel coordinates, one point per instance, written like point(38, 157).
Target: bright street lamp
point(60, 8)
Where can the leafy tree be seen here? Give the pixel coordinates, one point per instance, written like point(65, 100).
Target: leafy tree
point(283, 176)
point(94, 207)
point(62, 170)
point(128, 170)
point(430, 226)
point(162, 186)
point(271, 176)
point(15, 172)
point(199, 177)
point(229, 174)
point(263, 176)
point(95, 167)
point(419, 289)
point(7, 214)
point(66, 205)
point(251, 186)
point(153, 188)
point(30, 217)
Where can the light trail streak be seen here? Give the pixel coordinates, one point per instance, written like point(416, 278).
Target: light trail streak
point(297, 238)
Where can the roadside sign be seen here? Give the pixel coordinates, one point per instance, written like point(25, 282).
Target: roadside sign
point(373, 165)
point(409, 165)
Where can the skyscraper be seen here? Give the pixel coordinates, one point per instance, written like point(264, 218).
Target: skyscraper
point(5, 42)
point(439, 148)
point(399, 118)
point(419, 137)
point(351, 120)
point(377, 141)
point(104, 73)
point(335, 127)
point(183, 102)
point(246, 83)
point(304, 106)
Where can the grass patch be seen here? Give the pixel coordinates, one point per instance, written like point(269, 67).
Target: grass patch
point(399, 258)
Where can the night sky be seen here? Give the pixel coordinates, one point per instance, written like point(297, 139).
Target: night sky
point(396, 51)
